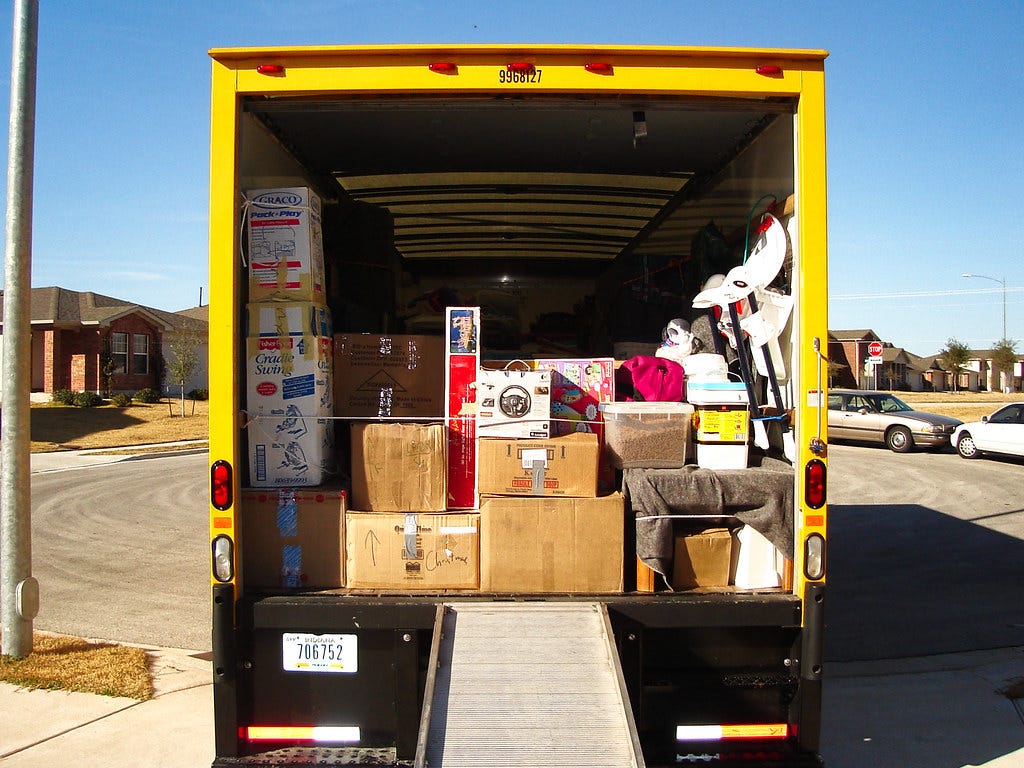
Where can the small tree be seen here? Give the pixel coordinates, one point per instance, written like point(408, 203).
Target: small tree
point(834, 370)
point(1004, 359)
point(185, 359)
point(954, 358)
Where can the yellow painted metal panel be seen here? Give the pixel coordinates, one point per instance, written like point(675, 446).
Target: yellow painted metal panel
point(812, 296)
point(224, 290)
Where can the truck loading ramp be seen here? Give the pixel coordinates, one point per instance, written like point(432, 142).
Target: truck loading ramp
point(528, 685)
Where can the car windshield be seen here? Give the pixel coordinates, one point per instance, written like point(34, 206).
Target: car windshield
point(889, 404)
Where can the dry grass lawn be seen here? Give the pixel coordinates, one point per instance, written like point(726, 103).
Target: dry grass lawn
point(58, 662)
point(67, 428)
point(966, 406)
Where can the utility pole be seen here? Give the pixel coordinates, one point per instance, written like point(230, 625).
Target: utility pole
point(19, 591)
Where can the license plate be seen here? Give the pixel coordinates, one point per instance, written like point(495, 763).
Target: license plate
point(304, 652)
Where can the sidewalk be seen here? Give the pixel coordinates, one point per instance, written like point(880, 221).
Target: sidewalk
point(57, 461)
point(173, 729)
point(941, 712)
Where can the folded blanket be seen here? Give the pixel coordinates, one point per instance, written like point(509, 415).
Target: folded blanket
point(760, 496)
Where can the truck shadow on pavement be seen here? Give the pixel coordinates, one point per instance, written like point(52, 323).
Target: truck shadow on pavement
point(907, 582)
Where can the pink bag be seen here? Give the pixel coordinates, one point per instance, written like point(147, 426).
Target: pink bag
point(652, 378)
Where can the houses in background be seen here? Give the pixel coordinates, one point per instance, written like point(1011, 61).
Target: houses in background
point(75, 335)
point(85, 341)
point(900, 369)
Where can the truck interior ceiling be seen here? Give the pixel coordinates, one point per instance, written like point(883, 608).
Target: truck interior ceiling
point(570, 222)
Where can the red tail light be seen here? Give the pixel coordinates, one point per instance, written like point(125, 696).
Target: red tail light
point(520, 66)
point(769, 70)
point(270, 69)
point(815, 483)
point(444, 67)
point(220, 485)
point(599, 67)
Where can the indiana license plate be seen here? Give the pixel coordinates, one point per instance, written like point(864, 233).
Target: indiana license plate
point(304, 652)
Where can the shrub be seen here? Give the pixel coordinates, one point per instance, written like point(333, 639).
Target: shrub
point(198, 394)
point(64, 397)
point(147, 395)
point(121, 399)
point(87, 399)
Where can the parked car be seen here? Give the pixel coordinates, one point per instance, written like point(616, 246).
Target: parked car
point(881, 417)
point(1002, 432)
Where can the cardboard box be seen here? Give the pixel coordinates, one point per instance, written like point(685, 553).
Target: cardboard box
point(388, 375)
point(287, 318)
point(293, 537)
point(399, 467)
point(702, 559)
point(578, 387)
point(558, 466)
point(461, 368)
point(514, 403)
point(552, 545)
point(286, 250)
point(288, 402)
point(412, 551)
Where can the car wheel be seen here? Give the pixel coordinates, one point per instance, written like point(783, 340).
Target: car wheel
point(966, 447)
point(898, 439)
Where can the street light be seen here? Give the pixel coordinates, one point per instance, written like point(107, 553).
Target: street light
point(1002, 283)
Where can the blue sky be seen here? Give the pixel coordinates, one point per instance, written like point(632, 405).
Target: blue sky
point(925, 129)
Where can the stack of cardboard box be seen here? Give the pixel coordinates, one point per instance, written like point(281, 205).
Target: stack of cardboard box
point(288, 375)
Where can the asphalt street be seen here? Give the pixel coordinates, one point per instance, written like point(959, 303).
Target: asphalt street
point(925, 626)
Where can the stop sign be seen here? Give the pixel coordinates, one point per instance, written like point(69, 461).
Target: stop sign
point(875, 349)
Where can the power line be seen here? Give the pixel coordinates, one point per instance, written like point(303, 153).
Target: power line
point(924, 294)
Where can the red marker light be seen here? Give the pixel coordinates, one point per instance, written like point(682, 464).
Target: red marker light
point(520, 66)
point(599, 67)
point(769, 70)
point(270, 69)
point(444, 67)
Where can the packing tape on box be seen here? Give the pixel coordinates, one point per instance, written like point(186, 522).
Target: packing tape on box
point(291, 565)
point(287, 514)
point(411, 527)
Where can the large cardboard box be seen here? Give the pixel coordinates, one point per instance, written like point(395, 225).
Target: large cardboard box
point(388, 375)
point(293, 537)
point(514, 403)
point(286, 250)
point(399, 467)
point(558, 466)
point(552, 545)
point(288, 405)
point(412, 551)
point(702, 558)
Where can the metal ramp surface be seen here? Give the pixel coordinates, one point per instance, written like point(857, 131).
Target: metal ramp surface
point(526, 685)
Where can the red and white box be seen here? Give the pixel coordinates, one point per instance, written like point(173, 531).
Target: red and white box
point(462, 362)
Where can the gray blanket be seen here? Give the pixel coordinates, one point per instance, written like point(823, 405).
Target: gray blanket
point(760, 496)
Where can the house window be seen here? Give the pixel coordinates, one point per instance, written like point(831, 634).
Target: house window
point(140, 353)
point(119, 352)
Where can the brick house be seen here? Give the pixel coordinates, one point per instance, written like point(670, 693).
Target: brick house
point(74, 334)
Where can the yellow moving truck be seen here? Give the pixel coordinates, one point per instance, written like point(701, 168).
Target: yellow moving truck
point(392, 226)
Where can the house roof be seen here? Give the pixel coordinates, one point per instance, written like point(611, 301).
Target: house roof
point(63, 307)
point(855, 335)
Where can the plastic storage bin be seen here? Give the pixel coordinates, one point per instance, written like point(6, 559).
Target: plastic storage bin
point(647, 434)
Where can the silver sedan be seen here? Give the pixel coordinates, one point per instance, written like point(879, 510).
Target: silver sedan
point(881, 417)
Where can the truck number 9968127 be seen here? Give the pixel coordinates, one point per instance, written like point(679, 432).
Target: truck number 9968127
point(511, 76)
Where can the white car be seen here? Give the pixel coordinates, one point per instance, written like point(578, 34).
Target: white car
point(1002, 432)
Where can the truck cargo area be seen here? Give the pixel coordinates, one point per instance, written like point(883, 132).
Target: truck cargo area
point(632, 592)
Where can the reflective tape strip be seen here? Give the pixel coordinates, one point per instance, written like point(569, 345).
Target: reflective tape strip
point(722, 732)
point(319, 733)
